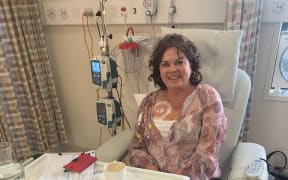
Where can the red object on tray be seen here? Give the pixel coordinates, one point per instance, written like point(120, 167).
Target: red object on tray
point(80, 163)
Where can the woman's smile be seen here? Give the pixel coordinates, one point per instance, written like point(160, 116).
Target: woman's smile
point(174, 76)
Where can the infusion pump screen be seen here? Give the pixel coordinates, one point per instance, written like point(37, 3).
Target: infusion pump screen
point(101, 113)
point(96, 66)
point(96, 72)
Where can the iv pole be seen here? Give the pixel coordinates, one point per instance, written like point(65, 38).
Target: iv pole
point(104, 46)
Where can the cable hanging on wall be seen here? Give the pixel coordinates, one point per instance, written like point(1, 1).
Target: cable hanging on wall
point(171, 14)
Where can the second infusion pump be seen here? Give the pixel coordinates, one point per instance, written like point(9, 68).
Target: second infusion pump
point(108, 112)
point(104, 72)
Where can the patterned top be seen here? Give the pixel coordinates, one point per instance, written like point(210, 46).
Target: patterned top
point(193, 142)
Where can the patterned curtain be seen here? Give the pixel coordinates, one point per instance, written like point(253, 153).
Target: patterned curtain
point(245, 15)
point(30, 116)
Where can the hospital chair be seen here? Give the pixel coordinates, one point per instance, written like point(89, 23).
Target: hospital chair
point(219, 51)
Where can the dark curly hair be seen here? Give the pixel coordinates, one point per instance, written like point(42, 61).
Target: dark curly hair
point(182, 44)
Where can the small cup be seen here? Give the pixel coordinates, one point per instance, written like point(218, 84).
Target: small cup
point(5, 152)
point(9, 169)
point(115, 170)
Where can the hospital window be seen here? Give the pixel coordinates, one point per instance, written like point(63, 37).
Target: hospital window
point(279, 85)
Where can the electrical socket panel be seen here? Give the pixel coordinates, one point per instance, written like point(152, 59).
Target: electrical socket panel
point(275, 11)
point(69, 12)
point(279, 6)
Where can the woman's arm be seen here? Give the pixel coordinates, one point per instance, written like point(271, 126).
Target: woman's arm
point(138, 154)
point(204, 162)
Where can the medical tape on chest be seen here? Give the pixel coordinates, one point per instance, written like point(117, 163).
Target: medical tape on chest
point(161, 109)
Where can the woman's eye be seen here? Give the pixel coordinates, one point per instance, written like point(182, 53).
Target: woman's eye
point(164, 65)
point(179, 62)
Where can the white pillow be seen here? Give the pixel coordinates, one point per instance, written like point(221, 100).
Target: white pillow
point(139, 98)
point(219, 51)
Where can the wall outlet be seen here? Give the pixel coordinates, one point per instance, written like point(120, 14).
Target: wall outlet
point(278, 6)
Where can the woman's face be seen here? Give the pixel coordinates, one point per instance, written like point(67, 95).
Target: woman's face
point(175, 69)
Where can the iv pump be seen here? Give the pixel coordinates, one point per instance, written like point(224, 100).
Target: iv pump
point(108, 112)
point(104, 72)
point(104, 75)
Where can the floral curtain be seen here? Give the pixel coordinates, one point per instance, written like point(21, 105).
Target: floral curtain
point(246, 15)
point(30, 116)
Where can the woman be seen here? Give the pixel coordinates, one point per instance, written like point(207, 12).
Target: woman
point(181, 126)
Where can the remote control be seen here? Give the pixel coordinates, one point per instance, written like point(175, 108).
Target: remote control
point(255, 169)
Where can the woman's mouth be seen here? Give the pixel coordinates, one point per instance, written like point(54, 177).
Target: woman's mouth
point(173, 77)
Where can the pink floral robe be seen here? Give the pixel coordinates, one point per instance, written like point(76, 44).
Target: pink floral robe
point(193, 142)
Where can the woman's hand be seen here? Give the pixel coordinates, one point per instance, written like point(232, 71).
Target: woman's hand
point(152, 167)
point(178, 171)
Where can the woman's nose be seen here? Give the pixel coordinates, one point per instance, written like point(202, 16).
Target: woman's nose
point(172, 67)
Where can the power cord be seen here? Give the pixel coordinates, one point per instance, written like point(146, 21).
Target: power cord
point(274, 170)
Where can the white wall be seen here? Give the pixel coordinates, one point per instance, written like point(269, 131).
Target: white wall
point(269, 118)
